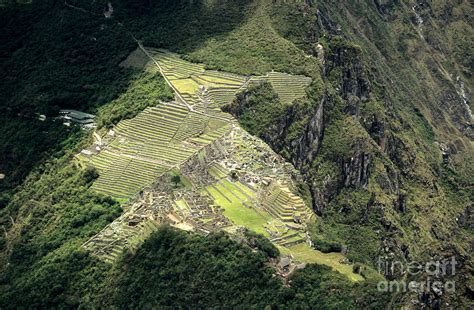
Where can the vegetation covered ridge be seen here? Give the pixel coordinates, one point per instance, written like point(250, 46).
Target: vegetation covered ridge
point(382, 140)
point(190, 165)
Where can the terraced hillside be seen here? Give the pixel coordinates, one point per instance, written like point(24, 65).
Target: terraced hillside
point(155, 141)
point(167, 135)
point(228, 179)
point(282, 203)
point(209, 89)
point(288, 87)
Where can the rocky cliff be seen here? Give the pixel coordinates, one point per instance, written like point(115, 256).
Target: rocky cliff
point(385, 145)
point(384, 138)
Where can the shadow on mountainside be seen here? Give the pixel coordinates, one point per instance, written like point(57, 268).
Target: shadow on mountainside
point(54, 56)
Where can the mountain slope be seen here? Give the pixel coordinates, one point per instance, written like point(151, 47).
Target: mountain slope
point(384, 138)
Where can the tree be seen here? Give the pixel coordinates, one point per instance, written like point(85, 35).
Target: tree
point(176, 179)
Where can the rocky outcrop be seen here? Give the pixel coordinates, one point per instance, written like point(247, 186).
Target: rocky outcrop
point(355, 171)
point(406, 95)
point(303, 148)
point(322, 192)
point(345, 69)
point(307, 146)
point(297, 131)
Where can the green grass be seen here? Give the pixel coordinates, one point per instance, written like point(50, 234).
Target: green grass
point(182, 204)
point(255, 221)
point(238, 213)
point(231, 187)
point(186, 182)
point(266, 49)
point(187, 86)
point(216, 172)
point(245, 189)
point(303, 253)
point(248, 217)
point(220, 80)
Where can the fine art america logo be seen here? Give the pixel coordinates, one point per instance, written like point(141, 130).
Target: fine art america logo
point(432, 273)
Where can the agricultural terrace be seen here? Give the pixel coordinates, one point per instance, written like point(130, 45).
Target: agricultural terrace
point(190, 165)
point(209, 89)
point(126, 232)
point(288, 87)
point(137, 151)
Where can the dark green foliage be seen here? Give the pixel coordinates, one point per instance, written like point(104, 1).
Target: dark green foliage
point(350, 221)
point(90, 174)
point(79, 69)
point(58, 211)
point(297, 26)
point(326, 246)
point(317, 287)
point(257, 108)
point(67, 277)
point(312, 284)
point(341, 136)
point(176, 179)
point(181, 25)
point(23, 142)
point(146, 89)
point(176, 269)
point(47, 220)
point(262, 244)
point(52, 57)
point(62, 208)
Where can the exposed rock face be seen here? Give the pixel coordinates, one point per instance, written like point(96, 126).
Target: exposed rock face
point(300, 145)
point(387, 173)
point(345, 67)
point(309, 142)
point(356, 171)
point(322, 192)
point(345, 70)
point(305, 147)
point(352, 78)
point(409, 113)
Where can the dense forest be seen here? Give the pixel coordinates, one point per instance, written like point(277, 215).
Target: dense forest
point(383, 140)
